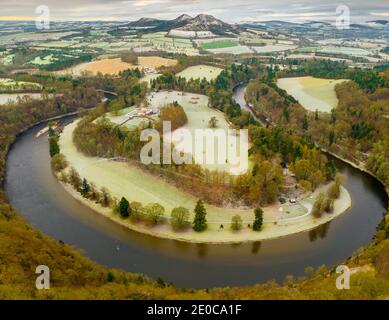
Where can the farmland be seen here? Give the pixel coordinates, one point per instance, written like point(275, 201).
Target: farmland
point(105, 66)
point(220, 44)
point(200, 71)
point(115, 65)
point(10, 85)
point(312, 93)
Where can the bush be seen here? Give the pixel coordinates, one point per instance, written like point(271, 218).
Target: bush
point(137, 211)
point(236, 223)
point(74, 179)
point(58, 162)
point(105, 197)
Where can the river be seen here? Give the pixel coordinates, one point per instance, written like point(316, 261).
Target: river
point(37, 195)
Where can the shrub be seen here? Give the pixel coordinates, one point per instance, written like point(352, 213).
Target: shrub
point(137, 210)
point(58, 162)
point(236, 223)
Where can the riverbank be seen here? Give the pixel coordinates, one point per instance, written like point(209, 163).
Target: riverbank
point(122, 179)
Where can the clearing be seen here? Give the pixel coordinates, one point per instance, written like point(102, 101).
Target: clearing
point(200, 71)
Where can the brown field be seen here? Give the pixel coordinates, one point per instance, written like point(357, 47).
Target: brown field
point(105, 66)
point(156, 62)
point(116, 65)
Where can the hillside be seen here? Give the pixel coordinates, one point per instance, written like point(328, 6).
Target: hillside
point(184, 23)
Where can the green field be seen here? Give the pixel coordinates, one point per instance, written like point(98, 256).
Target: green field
point(220, 44)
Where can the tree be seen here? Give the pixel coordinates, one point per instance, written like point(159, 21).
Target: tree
point(200, 221)
point(124, 207)
point(154, 213)
point(319, 205)
point(137, 210)
point(258, 220)
point(213, 122)
point(105, 198)
point(305, 122)
point(54, 148)
point(85, 188)
point(236, 223)
point(179, 218)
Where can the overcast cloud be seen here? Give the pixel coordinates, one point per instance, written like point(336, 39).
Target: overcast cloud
point(229, 10)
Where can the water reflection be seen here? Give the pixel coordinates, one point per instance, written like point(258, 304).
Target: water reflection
point(256, 247)
point(319, 232)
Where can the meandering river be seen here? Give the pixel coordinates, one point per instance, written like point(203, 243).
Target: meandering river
point(37, 195)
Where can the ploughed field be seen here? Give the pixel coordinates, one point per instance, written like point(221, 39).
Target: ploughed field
point(312, 93)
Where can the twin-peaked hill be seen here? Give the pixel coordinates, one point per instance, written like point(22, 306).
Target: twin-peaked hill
point(185, 23)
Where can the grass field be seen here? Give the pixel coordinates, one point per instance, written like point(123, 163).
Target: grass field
point(312, 93)
point(231, 50)
point(274, 48)
point(200, 71)
point(220, 44)
point(125, 180)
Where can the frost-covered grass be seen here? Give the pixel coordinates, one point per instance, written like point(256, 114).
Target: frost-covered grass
point(312, 93)
point(12, 85)
point(200, 71)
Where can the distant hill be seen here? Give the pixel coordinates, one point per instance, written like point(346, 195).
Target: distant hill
point(201, 22)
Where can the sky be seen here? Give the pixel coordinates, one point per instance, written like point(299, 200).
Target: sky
point(229, 10)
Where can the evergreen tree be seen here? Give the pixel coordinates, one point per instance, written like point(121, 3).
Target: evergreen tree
point(305, 122)
point(124, 208)
point(200, 221)
point(54, 148)
point(258, 221)
point(85, 188)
